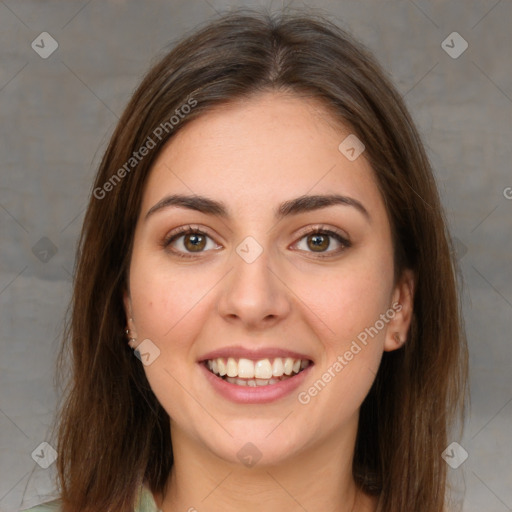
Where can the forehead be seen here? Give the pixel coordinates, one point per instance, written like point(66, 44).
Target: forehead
point(255, 152)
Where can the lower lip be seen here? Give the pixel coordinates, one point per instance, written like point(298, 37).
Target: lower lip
point(256, 394)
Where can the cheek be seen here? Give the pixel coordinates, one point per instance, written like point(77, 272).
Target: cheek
point(166, 308)
point(160, 298)
point(170, 308)
point(356, 291)
point(348, 308)
point(348, 302)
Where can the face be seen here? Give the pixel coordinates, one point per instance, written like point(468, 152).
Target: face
point(255, 285)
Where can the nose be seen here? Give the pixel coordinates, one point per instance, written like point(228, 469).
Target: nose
point(253, 293)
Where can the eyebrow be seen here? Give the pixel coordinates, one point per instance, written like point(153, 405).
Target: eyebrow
point(302, 204)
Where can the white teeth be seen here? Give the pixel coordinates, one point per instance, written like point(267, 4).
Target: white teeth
point(231, 368)
point(288, 366)
point(278, 367)
point(263, 369)
point(245, 369)
point(256, 373)
point(221, 367)
point(255, 382)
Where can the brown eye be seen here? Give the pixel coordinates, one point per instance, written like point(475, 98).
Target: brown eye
point(318, 242)
point(194, 242)
point(187, 241)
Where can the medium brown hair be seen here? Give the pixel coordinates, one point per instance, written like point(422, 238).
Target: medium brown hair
point(113, 434)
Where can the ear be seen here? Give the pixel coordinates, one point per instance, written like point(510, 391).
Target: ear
point(403, 304)
point(132, 334)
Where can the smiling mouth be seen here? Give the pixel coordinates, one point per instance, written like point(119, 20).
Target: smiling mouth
point(263, 372)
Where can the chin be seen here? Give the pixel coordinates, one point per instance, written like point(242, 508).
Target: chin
point(260, 445)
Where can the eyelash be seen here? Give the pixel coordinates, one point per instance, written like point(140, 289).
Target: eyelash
point(315, 231)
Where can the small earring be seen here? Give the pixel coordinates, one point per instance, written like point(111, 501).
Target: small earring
point(131, 340)
point(397, 338)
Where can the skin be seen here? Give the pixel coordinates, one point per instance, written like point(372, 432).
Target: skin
point(253, 155)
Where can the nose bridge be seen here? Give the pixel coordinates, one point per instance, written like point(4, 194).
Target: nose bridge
point(252, 292)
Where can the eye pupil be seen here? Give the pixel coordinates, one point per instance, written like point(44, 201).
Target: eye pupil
point(197, 241)
point(317, 240)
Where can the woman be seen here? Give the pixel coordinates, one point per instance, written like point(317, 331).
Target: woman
point(265, 235)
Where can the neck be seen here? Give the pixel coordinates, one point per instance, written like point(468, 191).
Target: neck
point(317, 478)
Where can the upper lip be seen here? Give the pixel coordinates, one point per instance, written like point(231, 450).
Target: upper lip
point(238, 352)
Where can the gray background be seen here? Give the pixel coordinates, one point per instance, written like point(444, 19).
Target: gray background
point(56, 117)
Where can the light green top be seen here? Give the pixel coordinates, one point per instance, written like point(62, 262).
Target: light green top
point(145, 500)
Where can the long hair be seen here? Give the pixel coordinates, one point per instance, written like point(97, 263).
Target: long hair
point(113, 434)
